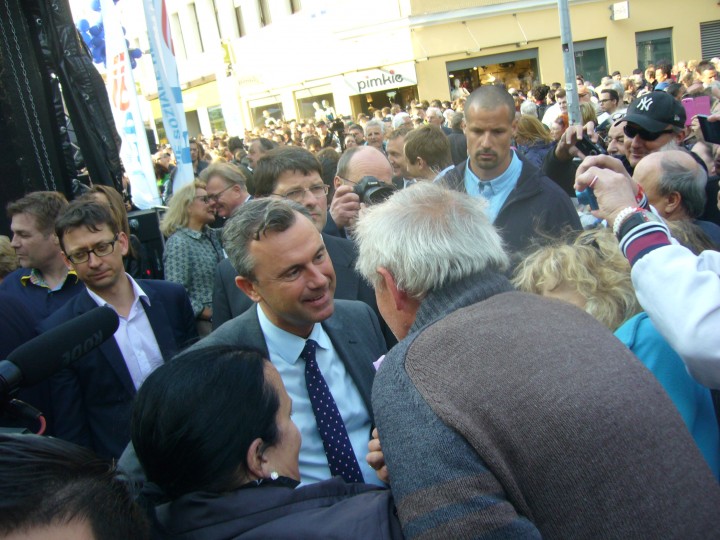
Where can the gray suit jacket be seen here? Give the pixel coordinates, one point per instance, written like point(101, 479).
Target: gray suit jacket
point(353, 329)
point(229, 301)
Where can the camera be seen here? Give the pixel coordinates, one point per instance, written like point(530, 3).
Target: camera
point(373, 191)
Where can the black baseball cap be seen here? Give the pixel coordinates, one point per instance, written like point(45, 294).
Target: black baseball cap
point(655, 110)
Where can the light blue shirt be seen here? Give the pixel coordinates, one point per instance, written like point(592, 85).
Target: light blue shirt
point(497, 190)
point(284, 349)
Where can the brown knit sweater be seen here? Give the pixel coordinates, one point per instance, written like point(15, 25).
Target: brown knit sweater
point(519, 416)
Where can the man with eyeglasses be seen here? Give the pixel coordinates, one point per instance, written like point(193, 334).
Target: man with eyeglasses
point(226, 188)
point(294, 174)
point(92, 398)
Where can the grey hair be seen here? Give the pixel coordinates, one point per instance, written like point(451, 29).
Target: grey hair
point(375, 123)
point(427, 237)
point(229, 172)
point(689, 182)
point(252, 220)
point(528, 108)
point(434, 111)
point(456, 120)
point(399, 119)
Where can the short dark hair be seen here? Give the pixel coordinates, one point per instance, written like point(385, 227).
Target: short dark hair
point(615, 73)
point(612, 93)
point(638, 71)
point(44, 206)
point(195, 418)
point(278, 161)
point(266, 144)
point(254, 219)
point(234, 144)
point(491, 97)
point(85, 213)
point(540, 91)
point(47, 481)
point(431, 144)
point(665, 67)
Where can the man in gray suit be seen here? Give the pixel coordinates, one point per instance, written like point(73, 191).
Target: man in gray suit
point(283, 267)
point(294, 174)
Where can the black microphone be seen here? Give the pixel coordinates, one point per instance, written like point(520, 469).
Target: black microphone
point(57, 348)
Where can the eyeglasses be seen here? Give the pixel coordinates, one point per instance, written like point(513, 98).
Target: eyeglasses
point(298, 195)
point(633, 131)
point(204, 198)
point(103, 249)
point(216, 196)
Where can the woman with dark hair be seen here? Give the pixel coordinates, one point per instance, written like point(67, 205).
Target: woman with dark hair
point(212, 430)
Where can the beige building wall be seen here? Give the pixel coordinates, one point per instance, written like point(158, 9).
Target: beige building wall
point(483, 28)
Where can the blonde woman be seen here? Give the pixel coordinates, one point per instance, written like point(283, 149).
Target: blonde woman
point(192, 249)
point(592, 274)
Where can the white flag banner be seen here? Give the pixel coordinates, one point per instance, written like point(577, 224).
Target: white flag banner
point(135, 151)
point(169, 92)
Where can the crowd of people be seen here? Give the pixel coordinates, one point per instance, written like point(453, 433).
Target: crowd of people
point(407, 324)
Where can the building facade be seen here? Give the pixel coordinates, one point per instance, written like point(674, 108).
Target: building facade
point(238, 58)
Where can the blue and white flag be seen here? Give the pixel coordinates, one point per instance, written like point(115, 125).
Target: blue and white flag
point(135, 151)
point(169, 93)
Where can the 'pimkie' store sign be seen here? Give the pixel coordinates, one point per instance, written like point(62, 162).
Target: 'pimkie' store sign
point(374, 80)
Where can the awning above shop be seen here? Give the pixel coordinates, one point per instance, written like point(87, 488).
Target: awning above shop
point(204, 95)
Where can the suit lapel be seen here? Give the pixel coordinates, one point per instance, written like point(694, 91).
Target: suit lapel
point(346, 343)
point(160, 322)
point(109, 350)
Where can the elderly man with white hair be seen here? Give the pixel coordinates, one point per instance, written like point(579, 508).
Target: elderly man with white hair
point(508, 415)
point(434, 116)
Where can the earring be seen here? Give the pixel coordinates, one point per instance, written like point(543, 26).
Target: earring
point(274, 475)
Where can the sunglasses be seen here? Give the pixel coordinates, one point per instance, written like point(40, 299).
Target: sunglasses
point(633, 131)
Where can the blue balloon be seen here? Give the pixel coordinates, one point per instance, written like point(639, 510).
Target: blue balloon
point(87, 38)
point(97, 55)
point(94, 30)
point(133, 63)
point(97, 41)
point(135, 53)
point(83, 25)
point(95, 5)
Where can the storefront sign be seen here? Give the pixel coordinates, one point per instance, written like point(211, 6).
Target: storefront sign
point(375, 80)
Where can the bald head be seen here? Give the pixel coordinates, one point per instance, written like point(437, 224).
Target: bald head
point(364, 161)
point(491, 97)
point(674, 182)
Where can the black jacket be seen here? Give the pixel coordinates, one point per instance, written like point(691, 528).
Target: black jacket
point(536, 208)
point(327, 510)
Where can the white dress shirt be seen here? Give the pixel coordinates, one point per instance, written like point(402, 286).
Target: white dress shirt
point(135, 337)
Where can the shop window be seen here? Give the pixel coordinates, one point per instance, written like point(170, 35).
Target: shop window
point(274, 111)
point(177, 36)
point(160, 128)
point(264, 12)
point(653, 46)
point(591, 60)
point(217, 121)
point(710, 39)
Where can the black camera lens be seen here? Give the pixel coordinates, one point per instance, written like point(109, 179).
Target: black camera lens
point(373, 191)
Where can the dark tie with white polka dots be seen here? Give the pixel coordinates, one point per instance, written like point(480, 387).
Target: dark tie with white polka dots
point(340, 455)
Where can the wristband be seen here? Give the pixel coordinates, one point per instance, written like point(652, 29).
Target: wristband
point(622, 216)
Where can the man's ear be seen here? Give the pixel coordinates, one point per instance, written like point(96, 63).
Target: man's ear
point(124, 242)
point(400, 298)
point(674, 202)
point(338, 182)
point(255, 460)
point(248, 287)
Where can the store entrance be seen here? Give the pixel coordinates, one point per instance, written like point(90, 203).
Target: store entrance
point(519, 74)
point(368, 103)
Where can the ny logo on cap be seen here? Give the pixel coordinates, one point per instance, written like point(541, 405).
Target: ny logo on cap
point(644, 104)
